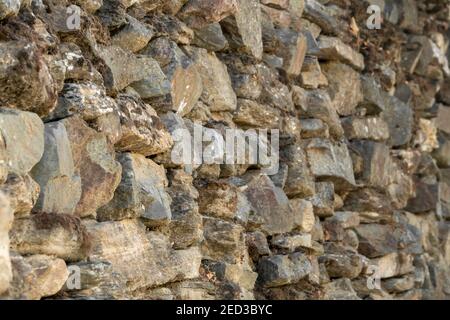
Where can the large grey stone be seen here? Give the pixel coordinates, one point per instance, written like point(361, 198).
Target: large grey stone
point(280, 270)
point(331, 161)
point(23, 137)
point(181, 71)
point(271, 205)
point(335, 49)
point(317, 104)
point(140, 193)
point(60, 184)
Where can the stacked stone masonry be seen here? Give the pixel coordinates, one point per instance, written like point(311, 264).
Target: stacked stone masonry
point(89, 112)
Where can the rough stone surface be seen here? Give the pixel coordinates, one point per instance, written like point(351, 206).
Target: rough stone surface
point(142, 130)
point(140, 259)
point(52, 234)
point(95, 119)
point(323, 157)
point(140, 193)
point(23, 137)
point(217, 91)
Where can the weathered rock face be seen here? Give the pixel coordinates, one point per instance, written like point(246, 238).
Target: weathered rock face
point(25, 79)
point(78, 162)
point(23, 139)
point(52, 234)
point(96, 204)
point(140, 194)
point(141, 259)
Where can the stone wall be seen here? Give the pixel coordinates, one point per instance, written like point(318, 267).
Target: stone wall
point(92, 204)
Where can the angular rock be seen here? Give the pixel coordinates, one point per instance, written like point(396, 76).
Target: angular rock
point(377, 240)
point(90, 5)
point(345, 95)
point(323, 159)
point(109, 124)
point(426, 199)
point(280, 270)
point(210, 37)
point(244, 28)
point(289, 45)
point(399, 284)
point(369, 128)
point(36, 277)
point(94, 162)
point(217, 91)
point(271, 205)
point(313, 128)
point(218, 199)
point(394, 112)
point(443, 119)
point(140, 259)
point(133, 37)
point(311, 76)
point(142, 131)
point(140, 194)
point(186, 224)
point(86, 99)
point(340, 289)
point(25, 80)
point(317, 104)
point(23, 137)
point(273, 92)
point(304, 214)
point(142, 72)
point(342, 264)
point(368, 200)
point(252, 114)
point(169, 27)
point(186, 82)
point(257, 245)
point(52, 234)
point(292, 243)
point(320, 15)
point(200, 13)
point(300, 181)
point(280, 18)
point(23, 193)
point(393, 265)
point(60, 184)
point(223, 241)
point(323, 199)
point(346, 219)
point(335, 50)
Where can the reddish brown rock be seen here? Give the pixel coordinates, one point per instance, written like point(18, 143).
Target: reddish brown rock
point(93, 158)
